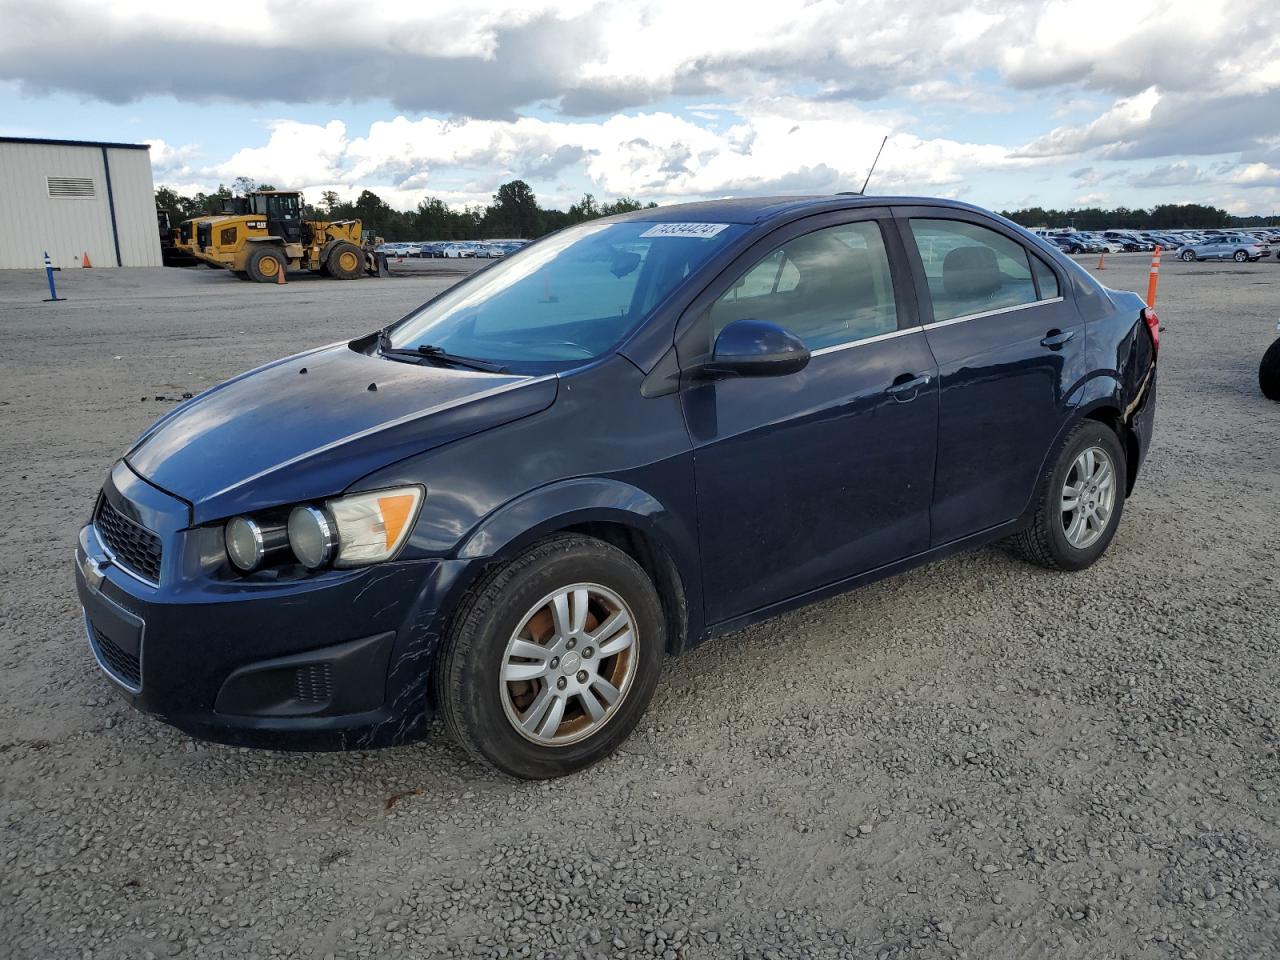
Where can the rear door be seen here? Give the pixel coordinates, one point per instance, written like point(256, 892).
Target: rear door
point(1008, 347)
point(809, 478)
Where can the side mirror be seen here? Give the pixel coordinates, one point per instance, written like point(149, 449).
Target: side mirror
point(755, 348)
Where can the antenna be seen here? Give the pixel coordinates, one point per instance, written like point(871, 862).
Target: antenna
point(863, 191)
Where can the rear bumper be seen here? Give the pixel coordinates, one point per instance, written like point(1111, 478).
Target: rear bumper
point(339, 662)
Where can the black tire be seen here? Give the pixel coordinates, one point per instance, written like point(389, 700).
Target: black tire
point(1045, 541)
point(266, 263)
point(345, 261)
point(468, 691)
point(1240, 256)
point(1186, 256)
point(1269, 372)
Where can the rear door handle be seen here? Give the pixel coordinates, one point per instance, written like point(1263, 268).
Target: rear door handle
point(1055, 339)
point(906, 390)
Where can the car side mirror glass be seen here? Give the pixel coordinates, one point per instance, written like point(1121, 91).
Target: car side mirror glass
point(755, 348)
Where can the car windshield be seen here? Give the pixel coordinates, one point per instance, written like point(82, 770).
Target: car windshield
point(570, 297)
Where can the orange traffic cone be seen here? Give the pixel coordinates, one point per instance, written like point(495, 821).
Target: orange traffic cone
point(85, 261)
point(1101, 257)
point(280, 275)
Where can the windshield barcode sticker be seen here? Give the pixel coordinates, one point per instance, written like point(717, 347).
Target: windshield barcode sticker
point(701, 230)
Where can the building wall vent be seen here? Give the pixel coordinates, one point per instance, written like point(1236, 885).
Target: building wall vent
point(71, 187)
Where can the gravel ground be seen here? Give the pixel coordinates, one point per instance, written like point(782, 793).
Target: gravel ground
point(978, 759)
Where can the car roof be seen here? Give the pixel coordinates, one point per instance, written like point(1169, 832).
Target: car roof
point(751, 210)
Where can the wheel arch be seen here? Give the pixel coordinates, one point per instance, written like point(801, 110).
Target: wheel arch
point(618, 514)
point(1111, 415)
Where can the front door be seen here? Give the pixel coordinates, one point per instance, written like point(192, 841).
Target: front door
point(1009, 350)
point(813, 477)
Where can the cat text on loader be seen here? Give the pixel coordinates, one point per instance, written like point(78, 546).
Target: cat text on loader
point(271, 236)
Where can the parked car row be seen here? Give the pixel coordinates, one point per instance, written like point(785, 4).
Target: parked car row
point(481, 249)
point(1189, 245)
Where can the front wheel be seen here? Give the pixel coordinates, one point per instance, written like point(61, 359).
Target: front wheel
point(1186, 256)
point(552, 659)
point(345, 261)
point(1079, 502)
point(1269, 372)
point(1241, 256)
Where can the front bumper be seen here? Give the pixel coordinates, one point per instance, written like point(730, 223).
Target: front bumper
point(337, 661)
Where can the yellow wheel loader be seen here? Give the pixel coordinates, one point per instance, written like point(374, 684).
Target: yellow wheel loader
point(269, 236)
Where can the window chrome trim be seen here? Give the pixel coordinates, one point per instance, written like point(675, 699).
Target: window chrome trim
point(991, 313)
point(836, 347)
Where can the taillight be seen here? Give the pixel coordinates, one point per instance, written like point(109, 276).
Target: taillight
point(1153, 325)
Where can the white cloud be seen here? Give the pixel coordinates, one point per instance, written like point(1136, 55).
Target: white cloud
point(771, 145)
point(793, 97)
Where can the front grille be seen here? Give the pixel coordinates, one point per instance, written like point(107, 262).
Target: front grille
point(134, 547)
point(314, 683)
point(123, 666)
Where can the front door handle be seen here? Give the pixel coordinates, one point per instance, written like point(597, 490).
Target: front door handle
point(1056, 339)
point(905, 390)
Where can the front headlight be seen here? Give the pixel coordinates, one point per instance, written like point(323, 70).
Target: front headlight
point(372, 526)
point(311, 536)
point(350, 531)
point(245, 544)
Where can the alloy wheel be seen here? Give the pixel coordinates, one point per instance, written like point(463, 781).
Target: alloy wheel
point(1088, 497)
point(569, 664)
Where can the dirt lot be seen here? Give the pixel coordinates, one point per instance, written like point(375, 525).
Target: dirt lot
point(979, 759)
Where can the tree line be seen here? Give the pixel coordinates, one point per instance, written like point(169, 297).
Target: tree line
point(1167, 216)
point(514, 212)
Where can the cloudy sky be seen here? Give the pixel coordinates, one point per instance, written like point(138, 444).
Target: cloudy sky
point(1005, 104)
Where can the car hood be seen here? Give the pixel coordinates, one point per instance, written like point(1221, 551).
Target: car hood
point(311, 425)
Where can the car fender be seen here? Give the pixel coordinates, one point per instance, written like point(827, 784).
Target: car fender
point(1098, 391)
point(566, 503)
point(586, 500)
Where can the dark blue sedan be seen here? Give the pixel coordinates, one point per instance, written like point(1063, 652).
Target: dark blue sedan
point(509, 507)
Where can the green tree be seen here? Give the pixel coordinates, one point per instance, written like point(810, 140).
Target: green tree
point(514, 212)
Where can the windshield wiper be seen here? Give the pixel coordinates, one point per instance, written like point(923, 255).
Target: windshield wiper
point(428, 352)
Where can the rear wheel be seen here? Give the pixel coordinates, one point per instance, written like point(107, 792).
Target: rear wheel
point(552, 659)
point(1079, 502)
point(266, 264)
point(345, 261)
point(1241, 256)
point(1269, 372)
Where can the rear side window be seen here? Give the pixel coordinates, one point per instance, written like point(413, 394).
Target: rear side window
point(828, 287)
point(971, 269)
point(1046, 279)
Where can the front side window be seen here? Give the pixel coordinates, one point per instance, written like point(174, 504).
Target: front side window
point(568, 298)
point(971, 269)
point(828, 287)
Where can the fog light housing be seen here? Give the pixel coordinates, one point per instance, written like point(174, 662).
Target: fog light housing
point(311, 536)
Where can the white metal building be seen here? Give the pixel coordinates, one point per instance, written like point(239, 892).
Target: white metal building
point(72, 198)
